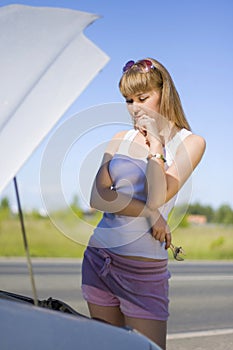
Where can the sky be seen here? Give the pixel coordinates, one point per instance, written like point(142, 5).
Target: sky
point(193, 39)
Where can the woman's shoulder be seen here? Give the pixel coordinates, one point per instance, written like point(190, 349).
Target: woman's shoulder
point(188, 137)
point(191, 142)
point(195, 145)
point(191, 146)
point(115, 141)
point(196, 139)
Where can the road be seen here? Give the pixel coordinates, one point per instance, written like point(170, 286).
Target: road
point(201, 294)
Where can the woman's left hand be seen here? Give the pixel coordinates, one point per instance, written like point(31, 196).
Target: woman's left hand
point(160, 230)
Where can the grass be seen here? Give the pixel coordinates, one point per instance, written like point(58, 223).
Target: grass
point(45, 240)
point(205, 241)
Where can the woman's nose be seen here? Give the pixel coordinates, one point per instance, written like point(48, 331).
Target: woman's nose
point(135, 108)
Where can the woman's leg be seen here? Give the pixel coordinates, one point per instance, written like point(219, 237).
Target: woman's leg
point(153, 329)
point(110, 314)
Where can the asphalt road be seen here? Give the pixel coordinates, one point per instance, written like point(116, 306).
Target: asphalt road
point(201, 296)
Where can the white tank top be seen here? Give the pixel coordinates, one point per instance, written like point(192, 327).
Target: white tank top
point(127, 235)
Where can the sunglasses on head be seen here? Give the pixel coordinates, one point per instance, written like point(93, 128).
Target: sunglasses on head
point(143, 66)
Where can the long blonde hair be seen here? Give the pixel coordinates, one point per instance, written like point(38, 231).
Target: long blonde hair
point(133, 81)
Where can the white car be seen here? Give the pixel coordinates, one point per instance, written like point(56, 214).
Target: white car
point(28, 327)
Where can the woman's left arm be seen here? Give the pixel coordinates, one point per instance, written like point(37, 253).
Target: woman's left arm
point(188, 155)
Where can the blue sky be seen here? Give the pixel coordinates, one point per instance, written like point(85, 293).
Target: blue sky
point(193, 39)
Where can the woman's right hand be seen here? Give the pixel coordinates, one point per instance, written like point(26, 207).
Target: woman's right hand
point(153, 125)
point(149, 128)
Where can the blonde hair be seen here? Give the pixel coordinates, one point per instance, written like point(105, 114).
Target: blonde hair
point(133, 82)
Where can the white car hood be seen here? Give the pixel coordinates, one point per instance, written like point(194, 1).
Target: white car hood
point(45, 63)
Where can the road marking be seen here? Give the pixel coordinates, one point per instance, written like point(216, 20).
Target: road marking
point(201, 278)
point(198, 334)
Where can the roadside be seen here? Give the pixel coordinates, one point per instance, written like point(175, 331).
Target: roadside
point(210, 340)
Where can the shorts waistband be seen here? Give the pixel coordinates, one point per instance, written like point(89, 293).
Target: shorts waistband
point(130, 265)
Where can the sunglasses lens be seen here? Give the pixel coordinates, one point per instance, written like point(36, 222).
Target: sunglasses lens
point(147, 64)
point(128, 65)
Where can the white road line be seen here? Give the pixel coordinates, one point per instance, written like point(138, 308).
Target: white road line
point(206, 333)
point(202, 278)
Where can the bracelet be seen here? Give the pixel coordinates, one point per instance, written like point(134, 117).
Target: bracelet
point(158, 156)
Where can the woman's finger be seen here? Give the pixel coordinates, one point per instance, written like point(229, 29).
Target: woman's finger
point(168, 240)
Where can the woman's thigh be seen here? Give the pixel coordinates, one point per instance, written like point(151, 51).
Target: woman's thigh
point(110, 314)
point(153, 329)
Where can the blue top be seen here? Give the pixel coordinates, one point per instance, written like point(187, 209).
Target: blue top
point(127, 235)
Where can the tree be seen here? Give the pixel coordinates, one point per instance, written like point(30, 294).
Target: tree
point(224, 214)
point(5, 210)
point(5, 204)
point(198, 209)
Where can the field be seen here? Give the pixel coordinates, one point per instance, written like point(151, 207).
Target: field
point(45, 240)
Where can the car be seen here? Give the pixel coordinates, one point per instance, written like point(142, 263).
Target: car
point(54, 325)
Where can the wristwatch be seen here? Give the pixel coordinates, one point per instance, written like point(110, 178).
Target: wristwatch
point(156, 155)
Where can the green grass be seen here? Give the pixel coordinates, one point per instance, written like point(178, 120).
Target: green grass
point(205, 242)
point(45, 240)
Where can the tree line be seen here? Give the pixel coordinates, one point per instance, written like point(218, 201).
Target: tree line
point(222, 215)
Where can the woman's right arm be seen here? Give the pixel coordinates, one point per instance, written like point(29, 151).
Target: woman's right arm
point(104, 198)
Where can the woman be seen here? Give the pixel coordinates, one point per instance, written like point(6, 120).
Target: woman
point(125, 275)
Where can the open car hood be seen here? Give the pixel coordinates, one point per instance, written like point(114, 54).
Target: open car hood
point(45, 63)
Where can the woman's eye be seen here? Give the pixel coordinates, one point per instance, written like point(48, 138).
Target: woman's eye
point(129, 101)
point(142, 99)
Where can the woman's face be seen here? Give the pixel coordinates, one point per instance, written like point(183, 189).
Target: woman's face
point(138, 103)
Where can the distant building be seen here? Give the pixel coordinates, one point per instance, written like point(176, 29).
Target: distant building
point(197, 219)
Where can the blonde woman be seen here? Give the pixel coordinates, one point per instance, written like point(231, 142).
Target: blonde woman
point(124, 273)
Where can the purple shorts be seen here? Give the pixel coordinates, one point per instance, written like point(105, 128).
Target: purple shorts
point(138, 288)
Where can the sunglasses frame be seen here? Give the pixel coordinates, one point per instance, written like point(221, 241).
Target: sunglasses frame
point(143, 66)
